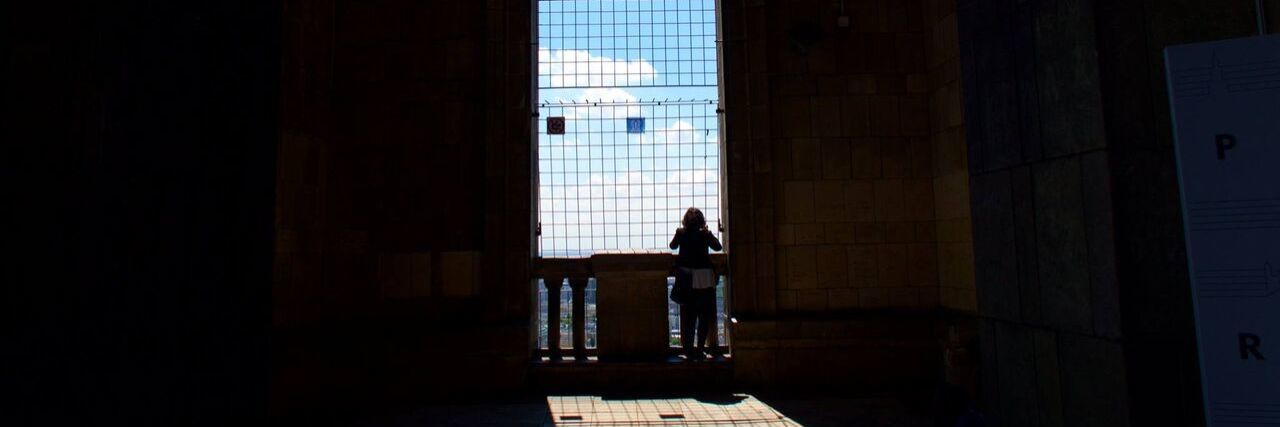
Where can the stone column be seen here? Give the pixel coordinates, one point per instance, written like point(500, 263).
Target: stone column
point(579, 287)
point(631, 305)
point(721, 268)
point(713, 341)
point(553, 285)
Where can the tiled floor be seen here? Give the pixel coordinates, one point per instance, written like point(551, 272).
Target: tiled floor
point(734, 410)
point(686, 410)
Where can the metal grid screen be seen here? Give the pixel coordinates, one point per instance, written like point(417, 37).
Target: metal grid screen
point(603, 188)
point(628, 122)
point(603, 43)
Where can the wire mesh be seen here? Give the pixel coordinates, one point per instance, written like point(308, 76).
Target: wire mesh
point(628, 43)
point(604, 186)
point(614, 171)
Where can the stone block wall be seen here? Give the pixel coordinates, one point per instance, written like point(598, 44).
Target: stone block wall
point(847, 189)
point(1078, 244)
point(857, 186)
point(138, 171)
point(404, 197)
point(950, 158)
point(831, 157)
point(402, 201)
point(851, 354)
point(1042, 215)
point(1155, 297)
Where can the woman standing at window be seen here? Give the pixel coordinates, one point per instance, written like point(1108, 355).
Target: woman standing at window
point(695, 288)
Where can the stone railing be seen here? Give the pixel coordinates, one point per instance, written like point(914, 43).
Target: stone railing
point(631, 303)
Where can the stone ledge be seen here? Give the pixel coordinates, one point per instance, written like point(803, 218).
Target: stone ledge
point(615, 261)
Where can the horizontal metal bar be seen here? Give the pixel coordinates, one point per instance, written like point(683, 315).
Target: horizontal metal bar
point(632, 103)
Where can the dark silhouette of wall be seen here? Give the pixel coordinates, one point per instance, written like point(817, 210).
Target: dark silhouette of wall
point(1155, 294)
point(845, 258)
point(140, 143)
point(1081, 264)
point(334, 197)
point(403, 230)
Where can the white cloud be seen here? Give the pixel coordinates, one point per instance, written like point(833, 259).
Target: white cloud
point(613, 209)
point(682, 132)
point(570, 68)
point(692, 176)
point(678, 132)
point(622, 203)
point(608, 94)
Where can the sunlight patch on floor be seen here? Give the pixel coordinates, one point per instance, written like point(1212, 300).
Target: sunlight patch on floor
point(730, 410)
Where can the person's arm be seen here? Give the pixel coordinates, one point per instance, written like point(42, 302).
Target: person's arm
point(675, 240)
point(713, 242)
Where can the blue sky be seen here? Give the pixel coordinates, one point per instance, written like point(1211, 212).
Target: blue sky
point(601, 62)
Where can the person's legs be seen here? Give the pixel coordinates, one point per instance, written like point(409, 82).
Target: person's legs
point(688, 321)
point(706, 311)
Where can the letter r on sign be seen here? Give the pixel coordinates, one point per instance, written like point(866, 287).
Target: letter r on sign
point(1249, 344)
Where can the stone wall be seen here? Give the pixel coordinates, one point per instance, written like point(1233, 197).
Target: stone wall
point(950, 158)
point(850, 213)
point(838, 141)
point(145, 193)
point(1078, 244)
point(830, 161)
point(403, 215)
point(1157, 323)
point(140, 143)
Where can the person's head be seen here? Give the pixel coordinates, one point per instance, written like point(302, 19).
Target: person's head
point(693, 219)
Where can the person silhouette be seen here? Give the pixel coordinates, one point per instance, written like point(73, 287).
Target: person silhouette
point(695, 288)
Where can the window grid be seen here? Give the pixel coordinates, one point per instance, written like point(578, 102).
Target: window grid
point(599, 186)
point(602, 188)
point(629, 43)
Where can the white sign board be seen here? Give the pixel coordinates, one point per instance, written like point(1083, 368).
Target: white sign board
point(1226, 111)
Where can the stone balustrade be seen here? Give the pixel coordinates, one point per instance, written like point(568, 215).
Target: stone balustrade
point(631, 303)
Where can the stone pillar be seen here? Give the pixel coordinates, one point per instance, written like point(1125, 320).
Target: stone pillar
point(631, 305)
point(722, 269)
point(713, 341)
point(579, 287)
point(553, 285)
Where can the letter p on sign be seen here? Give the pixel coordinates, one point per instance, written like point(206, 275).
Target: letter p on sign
point(1224, 142)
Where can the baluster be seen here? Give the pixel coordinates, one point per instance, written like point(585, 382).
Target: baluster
point(579, 287)
point(535, 346)
point(713, 342)
point(553, 284)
